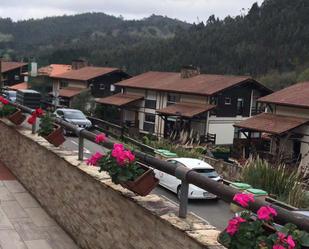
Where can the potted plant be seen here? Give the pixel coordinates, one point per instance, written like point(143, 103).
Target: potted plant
point(123, 169)
point(11, 112)
point(221, 152)
point(50, 131)
point(260, 232)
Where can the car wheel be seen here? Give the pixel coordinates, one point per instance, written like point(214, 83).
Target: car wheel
point(179, 192)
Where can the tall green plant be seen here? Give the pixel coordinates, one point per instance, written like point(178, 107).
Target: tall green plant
point(277, 180)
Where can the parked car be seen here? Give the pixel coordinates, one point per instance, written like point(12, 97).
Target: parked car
point(173, 184)
point(73, 116)
point(10, 95)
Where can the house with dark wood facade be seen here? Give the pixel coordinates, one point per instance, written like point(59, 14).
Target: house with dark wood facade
point(188, 103)
point(281, 134)
point(12, 72)
point(99, 80)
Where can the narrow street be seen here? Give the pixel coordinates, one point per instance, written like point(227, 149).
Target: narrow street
point(215, 212)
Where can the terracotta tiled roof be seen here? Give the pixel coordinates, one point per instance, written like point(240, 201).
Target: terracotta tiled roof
point(11, 65)
point(272, 123)
point(54, 69)
point(187, 110)
point(203, 84)
point(70, 92)
point(295, 95)
point(119, 99)
point(85, 73)
point(20, 86)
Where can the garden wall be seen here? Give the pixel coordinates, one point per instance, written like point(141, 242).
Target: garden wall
point(93, 210)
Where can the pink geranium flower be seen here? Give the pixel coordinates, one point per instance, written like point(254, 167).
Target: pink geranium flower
point(94, 159)
point(100, 138)
point(281, 236)
point(266, 213)
point(278, 247)
point(243, 199)
point(290, 242)
point(233, 225)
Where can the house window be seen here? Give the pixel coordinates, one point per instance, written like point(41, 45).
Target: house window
point(172, 98)
point(213, 101)
point(227, 101)
point(102, 86)
point(112, 88)
point(151, 100)
point(149, 122)
point(64, 84)
point(240, 106)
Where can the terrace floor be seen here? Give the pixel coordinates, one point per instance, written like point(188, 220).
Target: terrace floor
point(23, 222)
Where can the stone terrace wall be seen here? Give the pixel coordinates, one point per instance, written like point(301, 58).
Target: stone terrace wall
point(93, 210)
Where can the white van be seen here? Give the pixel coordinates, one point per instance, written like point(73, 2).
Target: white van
point(173, 184)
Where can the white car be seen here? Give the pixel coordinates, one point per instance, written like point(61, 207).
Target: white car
point(173, 184)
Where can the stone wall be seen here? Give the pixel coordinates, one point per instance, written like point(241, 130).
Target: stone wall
point(93, 210)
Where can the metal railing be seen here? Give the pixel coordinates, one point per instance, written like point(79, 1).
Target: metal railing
point(187, 176)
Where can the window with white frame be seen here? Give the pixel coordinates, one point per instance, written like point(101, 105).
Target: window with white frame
point(227, 100)
point(173, 98)
point(149, 122)
point(102, 86)
point(151, 100)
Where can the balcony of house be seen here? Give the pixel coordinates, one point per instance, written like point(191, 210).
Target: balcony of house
point(276, 138)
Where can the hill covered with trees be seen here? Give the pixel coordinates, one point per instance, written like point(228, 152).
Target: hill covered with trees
point(270, 42)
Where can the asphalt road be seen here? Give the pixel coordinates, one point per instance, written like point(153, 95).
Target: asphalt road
point(215, 212)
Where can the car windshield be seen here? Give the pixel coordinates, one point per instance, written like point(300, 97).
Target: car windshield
point(74, 115)
point(211, 173)
point(12, 94)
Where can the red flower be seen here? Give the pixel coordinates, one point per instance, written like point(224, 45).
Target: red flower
point(100, 138)
point(233, 225)
point(4, 101)
point(38, 112)
point(243, 199)
point(266, 213)
point(32, 119)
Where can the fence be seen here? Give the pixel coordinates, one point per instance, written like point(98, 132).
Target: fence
point(186, 176)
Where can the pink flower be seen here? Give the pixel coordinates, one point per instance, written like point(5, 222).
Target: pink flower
point(281, 236)
point(278, 247)
point(100, 138)
point(118, 150)
point(290, 242)
point(94, 159)
point(266, 213)
point(129, 155)
point(233, 225)
point(243, 199)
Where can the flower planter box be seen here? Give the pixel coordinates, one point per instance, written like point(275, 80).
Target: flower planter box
point(222, 155)
point(144, 184)
point(17, 117)
point(56, 137)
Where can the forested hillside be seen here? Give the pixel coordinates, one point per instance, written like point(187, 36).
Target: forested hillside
point(270, 42)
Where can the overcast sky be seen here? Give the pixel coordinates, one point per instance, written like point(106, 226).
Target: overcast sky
point(187, 10)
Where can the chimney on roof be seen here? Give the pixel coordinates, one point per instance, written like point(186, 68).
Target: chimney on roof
point(189, 71)
point(78, 64)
